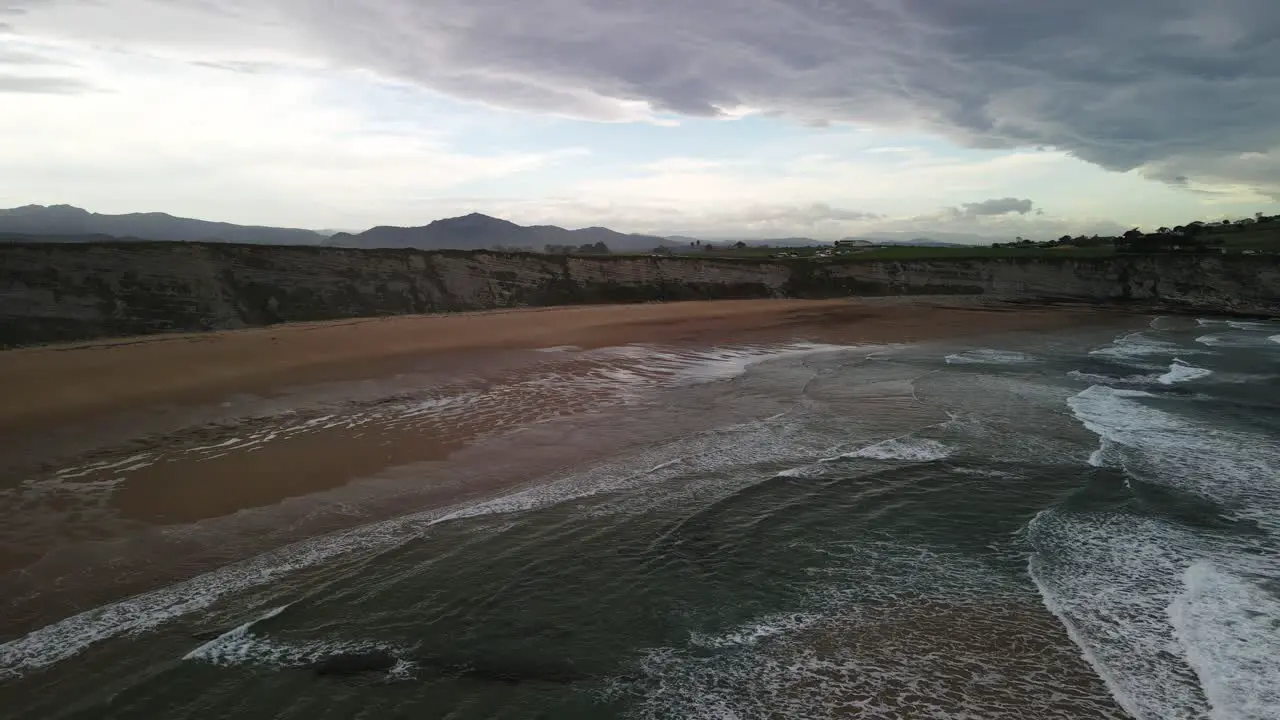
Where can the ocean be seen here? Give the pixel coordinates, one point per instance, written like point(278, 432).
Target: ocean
point(1081, 523)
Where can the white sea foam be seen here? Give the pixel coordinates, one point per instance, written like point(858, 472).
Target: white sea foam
point(702, 454)
point(756, 631)
point(908, 449)
point(988, 356)
point(140, 459)
point(1253, 326)
point(1235, 469)
point(804, 471)
point(1159, 611)
point(248, 648)
point(889, 632)
point(1109, 579)
point(711, 365)
point(231, 637)
point(1181, 371)
point(1275, 339)
point(1237, 339)
point(1228, 626)
point(1099, 379)
point(1103, 456)
point(70, 636)
point(1136, 345)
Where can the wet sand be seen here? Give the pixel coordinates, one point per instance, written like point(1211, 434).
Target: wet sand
point(61, 383)
point(133, 463)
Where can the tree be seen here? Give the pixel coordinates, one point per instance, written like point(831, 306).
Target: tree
point(1164, 231)
point(1064, 240)
point(1132, 234)
point(594, 249)
point(740, 245)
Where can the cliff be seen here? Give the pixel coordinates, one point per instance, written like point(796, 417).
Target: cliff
point(56, 292)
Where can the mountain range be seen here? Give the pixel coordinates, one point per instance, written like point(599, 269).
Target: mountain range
point(66, 223)
point(478, 232)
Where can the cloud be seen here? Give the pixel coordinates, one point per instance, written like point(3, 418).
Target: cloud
point(270, 148)
point(36, 84)
point(1176, 90)
point(1141, 84)
point(997, 206)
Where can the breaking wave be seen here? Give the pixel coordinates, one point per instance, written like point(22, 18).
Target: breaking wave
point(989, 357)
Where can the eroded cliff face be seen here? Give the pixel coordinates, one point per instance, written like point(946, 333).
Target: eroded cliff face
point(53, 292)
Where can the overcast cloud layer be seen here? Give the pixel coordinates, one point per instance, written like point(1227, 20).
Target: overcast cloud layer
point(1185, 91)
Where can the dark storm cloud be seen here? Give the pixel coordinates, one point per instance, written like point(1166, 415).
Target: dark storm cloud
point(997, 206)
point(1177, 86)
point(1118, 84)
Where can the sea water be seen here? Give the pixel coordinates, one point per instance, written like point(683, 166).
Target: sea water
point(1051, 525)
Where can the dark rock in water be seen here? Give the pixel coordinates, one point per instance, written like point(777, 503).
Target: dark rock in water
point(353, 663)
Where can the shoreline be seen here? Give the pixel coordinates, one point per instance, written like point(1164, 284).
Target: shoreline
point(56, 383)
point(163, 474)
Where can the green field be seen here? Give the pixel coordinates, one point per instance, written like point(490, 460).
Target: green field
point(1263, 238)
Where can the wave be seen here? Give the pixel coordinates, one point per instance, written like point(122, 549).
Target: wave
point(1181, 371)
point(1246, 325)
point(1255, 326)
point(988, 356)
point(700, 455)
point(1109, 580)
point(1136, 345)
point(242, 647)
point(906, 448)
point(1235, 340)
point(1231, 468)
point(1275, 339)
point(889, 630)
point(755, 632)
point(803, 471)
point(213, 648)
point(1165, 614)
point(1227, 626)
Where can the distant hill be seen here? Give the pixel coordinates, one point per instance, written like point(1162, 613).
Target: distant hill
point(7, 237)
point(480, 232)
point(922, 242)
point(762, 242)
point(934, 239)
point(50, 222)
point(855, 241)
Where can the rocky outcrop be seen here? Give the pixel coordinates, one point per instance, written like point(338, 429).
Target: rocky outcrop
point(54, 292)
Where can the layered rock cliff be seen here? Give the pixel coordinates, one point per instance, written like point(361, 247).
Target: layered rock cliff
point(59, 292)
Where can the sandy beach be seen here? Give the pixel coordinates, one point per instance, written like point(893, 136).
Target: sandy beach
point(130, 463)
point(62, 383)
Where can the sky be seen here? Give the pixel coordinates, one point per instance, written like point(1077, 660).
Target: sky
point(720, 118)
